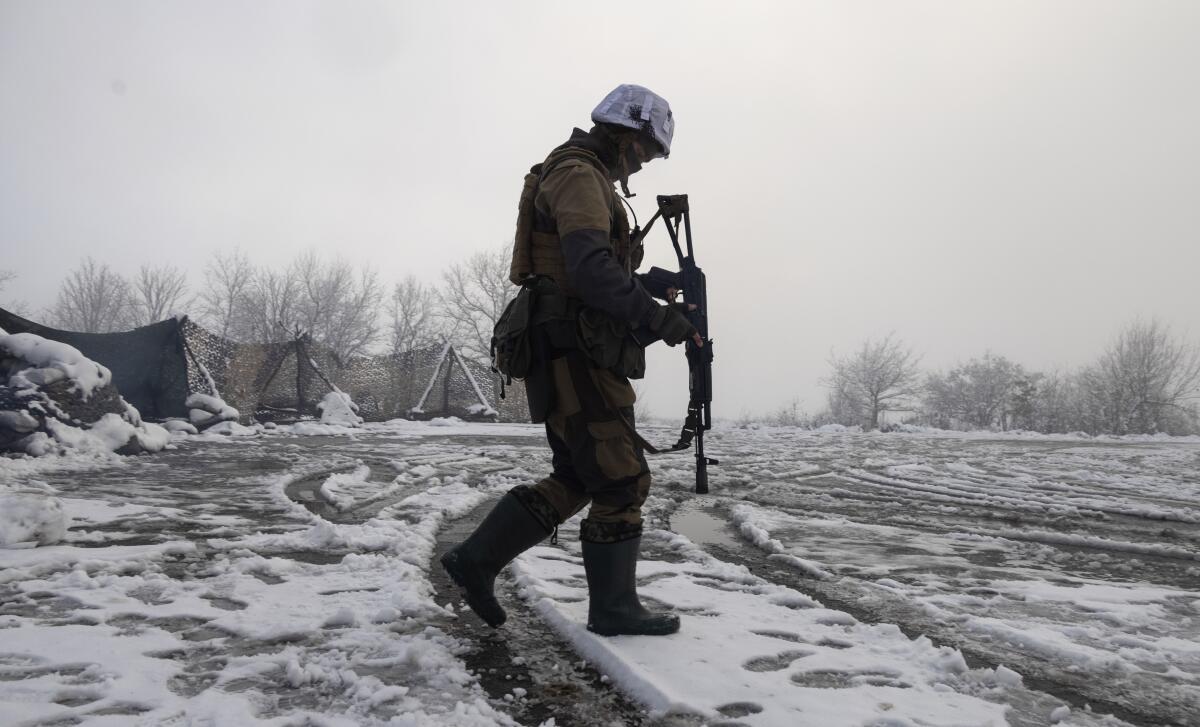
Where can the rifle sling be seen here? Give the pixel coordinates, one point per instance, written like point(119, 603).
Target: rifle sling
point(581, 378)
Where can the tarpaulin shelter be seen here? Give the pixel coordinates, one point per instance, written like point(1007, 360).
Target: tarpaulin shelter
point(147, 363)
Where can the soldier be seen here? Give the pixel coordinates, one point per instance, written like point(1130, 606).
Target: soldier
point(594, 315)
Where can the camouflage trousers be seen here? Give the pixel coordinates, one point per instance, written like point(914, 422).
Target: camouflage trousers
point(595, 459)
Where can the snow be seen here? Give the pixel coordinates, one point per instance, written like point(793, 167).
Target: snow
point(108, 433)
point(284, 578)
point(30, 515)
point(774, 670)
point(125, 653)
point(338, 489)
point(1058, 560)
point(481, 410)
point(337, 408)
point(205, 410)
point(179, 426)
point(52, 361)
point(232, 429)
point(34, 362)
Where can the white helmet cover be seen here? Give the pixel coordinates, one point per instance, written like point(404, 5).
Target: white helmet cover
point(637, 107)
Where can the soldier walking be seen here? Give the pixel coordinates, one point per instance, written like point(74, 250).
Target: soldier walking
point(594, 315)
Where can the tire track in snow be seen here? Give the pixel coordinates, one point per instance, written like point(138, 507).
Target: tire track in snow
point(857, 598)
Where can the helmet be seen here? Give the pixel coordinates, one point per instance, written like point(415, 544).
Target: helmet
point(637, 107)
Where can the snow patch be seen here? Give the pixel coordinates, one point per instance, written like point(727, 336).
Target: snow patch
point(30, 515)
point(337, 408)
point(782, 663)
point(205, 410)
point(29, 364)
point(52, 361)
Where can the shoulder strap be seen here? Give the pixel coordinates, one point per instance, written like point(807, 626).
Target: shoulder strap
point(570, 153)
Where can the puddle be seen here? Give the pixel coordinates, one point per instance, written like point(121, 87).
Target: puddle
point(702, 528)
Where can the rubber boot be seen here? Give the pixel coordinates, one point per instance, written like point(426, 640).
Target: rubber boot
point(507, 531)
point(613, 605)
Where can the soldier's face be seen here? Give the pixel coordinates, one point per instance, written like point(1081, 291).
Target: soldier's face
point(633, 159)
point(638, 153)
point(647, 149)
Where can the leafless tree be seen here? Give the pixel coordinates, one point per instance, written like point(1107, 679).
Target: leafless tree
point(412, 309)
point(843, 404)
point(266, 311)
point(1056, 403)
point(93, 299)
point(19, 307)
point(337, 307)
point(227, 279)
point(881, 376)
point(1023, 400)
point(977, 393)
point(1145, 378)
point(158, 293)
point(472, 297)
point(790, 414)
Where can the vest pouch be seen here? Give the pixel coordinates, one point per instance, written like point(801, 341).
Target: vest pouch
point(633, 360)
point(608, 345)
point(512, 336)
point(521, 264)
point(600, 337)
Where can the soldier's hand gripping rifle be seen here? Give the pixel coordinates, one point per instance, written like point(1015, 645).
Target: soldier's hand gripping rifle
point(690, 279)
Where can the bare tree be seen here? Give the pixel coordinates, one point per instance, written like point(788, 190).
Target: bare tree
point(882, 376)
point(93, 299)
point(1145, 378)
point(158, 293)
point(266, 311)
point(338, 308)
point(843, 405)
point(226, 281)
point(19, 307)
point(412, 309)
point(790, 414)
point(473, 296)
point(1055, 404)
point(1023, 400)
point(977, 393)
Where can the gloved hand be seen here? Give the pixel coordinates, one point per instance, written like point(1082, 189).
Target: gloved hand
point(670, 324)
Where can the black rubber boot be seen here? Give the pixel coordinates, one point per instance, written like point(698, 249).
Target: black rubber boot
point(507, 531)
point(613, 605)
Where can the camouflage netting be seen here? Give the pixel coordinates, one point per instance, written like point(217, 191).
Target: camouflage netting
point(156, 367)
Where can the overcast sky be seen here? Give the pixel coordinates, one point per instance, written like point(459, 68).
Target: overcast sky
point(1016, 176)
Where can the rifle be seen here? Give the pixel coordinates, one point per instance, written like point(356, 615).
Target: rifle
point(690, 279)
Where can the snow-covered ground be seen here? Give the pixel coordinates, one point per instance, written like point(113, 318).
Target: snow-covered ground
point(283, 577)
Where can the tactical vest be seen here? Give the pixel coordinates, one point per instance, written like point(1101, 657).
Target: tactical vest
point(537, 248)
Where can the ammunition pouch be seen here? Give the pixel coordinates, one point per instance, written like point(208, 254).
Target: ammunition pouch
point(609, 344)
point(512, 336)
point(555, 315)
point(542, 322)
